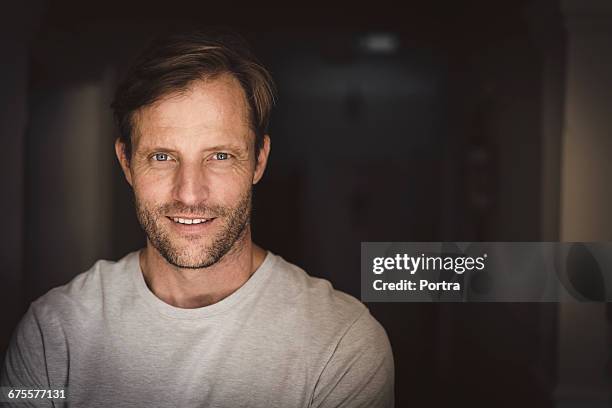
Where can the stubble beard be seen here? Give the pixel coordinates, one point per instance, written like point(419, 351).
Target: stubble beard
point(235, 222)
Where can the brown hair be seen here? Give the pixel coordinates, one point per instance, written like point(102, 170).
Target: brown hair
point(172, 62)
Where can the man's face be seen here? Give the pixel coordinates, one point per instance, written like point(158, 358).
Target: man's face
point(192, 171)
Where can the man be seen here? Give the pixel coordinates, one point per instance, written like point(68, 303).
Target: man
point(202, 316)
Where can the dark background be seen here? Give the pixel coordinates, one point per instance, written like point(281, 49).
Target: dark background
point(429, 121)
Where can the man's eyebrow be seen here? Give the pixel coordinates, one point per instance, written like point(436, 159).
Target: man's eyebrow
point(146, 149)
point(226, 147)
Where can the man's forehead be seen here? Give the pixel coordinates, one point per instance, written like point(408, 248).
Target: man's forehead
point(212, 105)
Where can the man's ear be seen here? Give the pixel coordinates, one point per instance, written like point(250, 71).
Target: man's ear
point(124, 161)
point(262, 159)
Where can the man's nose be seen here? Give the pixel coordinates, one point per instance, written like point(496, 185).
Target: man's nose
point(190, 185)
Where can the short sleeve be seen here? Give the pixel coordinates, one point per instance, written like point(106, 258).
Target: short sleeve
point(24, 363)
point(360, 372)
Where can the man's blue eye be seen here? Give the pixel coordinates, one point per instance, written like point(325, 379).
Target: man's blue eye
point(221, 156)
point(160, 156)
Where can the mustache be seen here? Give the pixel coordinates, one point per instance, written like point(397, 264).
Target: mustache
point(205, 210)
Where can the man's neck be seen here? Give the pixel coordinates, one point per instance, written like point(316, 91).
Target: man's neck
point(193, 288)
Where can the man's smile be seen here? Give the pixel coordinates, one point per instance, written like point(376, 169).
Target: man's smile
point(191, 225)
point(189, 220)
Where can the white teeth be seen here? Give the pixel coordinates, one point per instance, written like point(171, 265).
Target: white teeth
point(189, 221)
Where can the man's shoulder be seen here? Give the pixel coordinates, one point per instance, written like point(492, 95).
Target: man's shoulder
point(334, 320)
point(87, 290)
point(315, 297)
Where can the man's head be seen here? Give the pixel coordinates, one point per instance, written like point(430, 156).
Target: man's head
point(193, 113)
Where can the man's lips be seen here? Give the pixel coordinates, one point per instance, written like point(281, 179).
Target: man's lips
point(182, 220)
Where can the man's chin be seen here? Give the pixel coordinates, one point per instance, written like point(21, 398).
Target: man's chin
point(195, 248)
point(189, 262)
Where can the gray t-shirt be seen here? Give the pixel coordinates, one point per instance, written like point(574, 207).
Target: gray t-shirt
point(283, 339)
